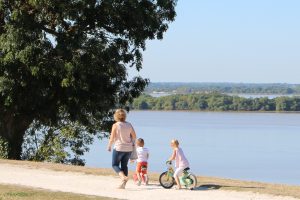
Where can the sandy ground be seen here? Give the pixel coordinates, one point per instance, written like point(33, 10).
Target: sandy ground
point(106, 186)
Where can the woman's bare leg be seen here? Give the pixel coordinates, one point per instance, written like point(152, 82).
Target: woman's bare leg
point(122, 176)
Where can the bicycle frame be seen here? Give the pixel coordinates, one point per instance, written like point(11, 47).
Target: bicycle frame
point(170, 171)
point(182, 178)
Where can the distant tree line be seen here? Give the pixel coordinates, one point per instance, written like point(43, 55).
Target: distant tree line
point(232, 88)
point(215, 102)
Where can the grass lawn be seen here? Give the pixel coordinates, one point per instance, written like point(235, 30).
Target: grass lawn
point(212, 183)
point(12, 192)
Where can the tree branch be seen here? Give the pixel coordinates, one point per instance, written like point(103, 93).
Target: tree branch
point(48, 30)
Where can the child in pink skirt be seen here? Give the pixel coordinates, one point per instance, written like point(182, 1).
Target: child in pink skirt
point(180, 161)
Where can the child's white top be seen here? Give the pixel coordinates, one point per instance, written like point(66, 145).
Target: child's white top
point(142, 154)
point(180, 159)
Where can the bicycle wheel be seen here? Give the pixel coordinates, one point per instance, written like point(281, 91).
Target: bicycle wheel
point(192, 179)
point(166, 181)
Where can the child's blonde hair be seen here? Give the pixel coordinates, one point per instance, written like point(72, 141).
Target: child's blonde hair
point(175, 142)
point(120, 115)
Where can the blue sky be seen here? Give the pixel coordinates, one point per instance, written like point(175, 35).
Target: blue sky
point(253, 41)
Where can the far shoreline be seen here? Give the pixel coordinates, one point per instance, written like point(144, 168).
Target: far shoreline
point(227, 111)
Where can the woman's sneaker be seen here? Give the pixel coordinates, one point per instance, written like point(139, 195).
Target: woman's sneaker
point(123, 184)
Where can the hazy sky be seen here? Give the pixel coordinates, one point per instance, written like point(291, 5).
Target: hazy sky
point(228, 41)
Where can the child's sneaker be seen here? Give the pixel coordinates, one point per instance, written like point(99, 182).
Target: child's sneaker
point(146, 183)
point(138, 183)
point(146, 179)
point(177, 188)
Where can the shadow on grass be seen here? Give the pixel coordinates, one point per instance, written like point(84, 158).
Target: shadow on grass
point(217, 187)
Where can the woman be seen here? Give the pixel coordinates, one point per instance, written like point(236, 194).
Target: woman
point(122, 136)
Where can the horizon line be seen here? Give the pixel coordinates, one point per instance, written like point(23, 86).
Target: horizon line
point(188, 82)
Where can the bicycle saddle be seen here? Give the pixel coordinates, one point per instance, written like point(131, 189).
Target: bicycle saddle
point(187, 169)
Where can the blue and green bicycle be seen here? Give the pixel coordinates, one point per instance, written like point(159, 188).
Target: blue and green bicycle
point(187, 180)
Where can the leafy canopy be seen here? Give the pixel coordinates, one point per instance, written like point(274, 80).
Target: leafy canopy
point(66, 61)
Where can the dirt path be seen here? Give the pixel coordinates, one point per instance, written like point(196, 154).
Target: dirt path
point(106, 186)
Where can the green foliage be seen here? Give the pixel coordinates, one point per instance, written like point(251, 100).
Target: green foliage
point(3, 148)
point(63, 145)
point(287, 104)
point(66, 62)
point(233, 88)
point(216, 102)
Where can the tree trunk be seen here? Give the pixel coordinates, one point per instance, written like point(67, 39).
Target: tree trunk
point(12, 131)
point(15, 146)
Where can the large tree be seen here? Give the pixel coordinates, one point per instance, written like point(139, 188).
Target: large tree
point(65, 62)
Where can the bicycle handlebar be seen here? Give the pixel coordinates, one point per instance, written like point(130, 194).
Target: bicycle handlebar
point(169, 162)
